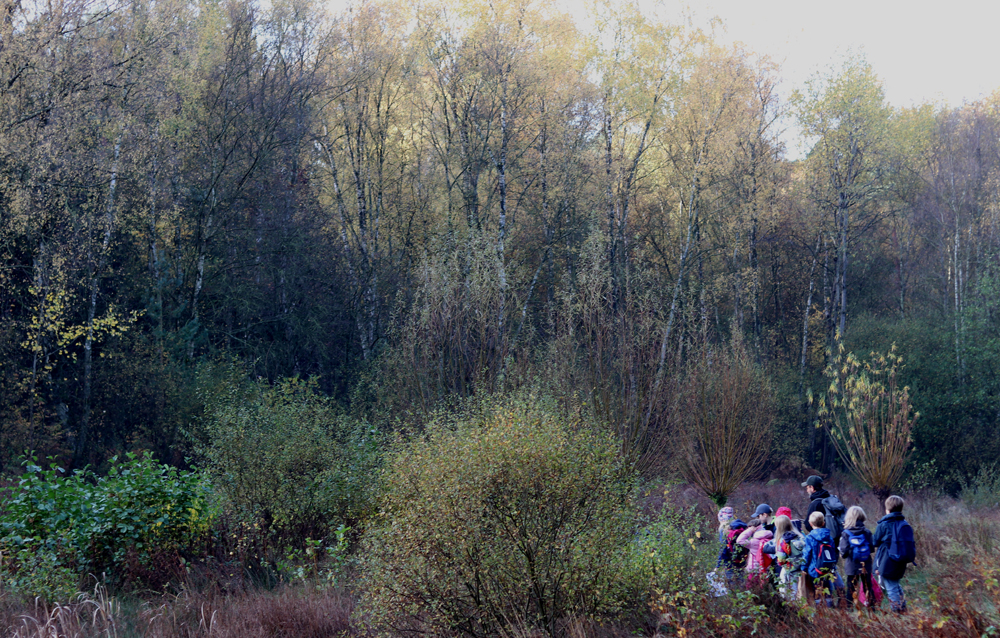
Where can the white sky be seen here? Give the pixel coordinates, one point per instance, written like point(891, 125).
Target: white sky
point(927, 51)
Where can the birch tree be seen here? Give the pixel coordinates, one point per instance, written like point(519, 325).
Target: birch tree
point(845, 112)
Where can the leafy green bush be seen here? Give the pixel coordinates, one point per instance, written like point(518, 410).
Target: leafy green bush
point(510, 516)
point(669, 552)
point(53, 524)
point(285, 461)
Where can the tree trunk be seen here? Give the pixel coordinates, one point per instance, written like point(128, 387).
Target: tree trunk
point(88, 345)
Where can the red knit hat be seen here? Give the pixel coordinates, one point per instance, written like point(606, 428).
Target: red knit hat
point(784, 511)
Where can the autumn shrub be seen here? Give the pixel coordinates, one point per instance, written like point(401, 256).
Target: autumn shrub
point(509, 516)
point(724, 421)
point(870, 417)
point(58, 528)
point(669, 552)
point(286, 464)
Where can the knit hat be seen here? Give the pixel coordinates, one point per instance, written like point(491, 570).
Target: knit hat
point(763, 508)
point(725, 514)
point(785, 511)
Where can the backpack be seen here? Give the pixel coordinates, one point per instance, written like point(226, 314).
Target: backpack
point(793, 552)
point(737, 553)
point(902, 547)
point(764, 559)
point(835, 511)
point(861, 550)
point(826, 557)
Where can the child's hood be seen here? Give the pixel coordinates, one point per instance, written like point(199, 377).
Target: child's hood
point(821, 534)
point(892, 517)
point(763, 534)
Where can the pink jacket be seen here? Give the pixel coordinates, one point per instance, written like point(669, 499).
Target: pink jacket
point(752, 538)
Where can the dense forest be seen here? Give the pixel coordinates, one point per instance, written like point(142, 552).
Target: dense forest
point(411, 204)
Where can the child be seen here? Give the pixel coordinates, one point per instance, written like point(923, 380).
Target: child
point(895, 547)
point(820, 559)
point(789, 548)
point(753, 538)
point(725, 517)
point(856, 549)
point(733, 556)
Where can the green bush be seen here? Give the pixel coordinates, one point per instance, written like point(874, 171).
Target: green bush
point(983, 491)
point(284, 460)
point(53, 525)
point(509, 517)
point(670, 553)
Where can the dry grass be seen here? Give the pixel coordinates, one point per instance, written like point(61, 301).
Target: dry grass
point(289, 612)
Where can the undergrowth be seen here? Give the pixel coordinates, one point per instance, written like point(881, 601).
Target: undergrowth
point(953, 591)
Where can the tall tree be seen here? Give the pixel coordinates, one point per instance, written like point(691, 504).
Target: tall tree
point(845, 112)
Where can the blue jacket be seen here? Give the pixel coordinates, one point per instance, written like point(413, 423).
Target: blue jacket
point(810, 554)
point(882, 538)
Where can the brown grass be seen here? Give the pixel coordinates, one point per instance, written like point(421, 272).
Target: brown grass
point(289, 612)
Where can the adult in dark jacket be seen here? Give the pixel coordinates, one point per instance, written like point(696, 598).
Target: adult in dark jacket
point(857, 571)
point(890, 572)
point(816, 492)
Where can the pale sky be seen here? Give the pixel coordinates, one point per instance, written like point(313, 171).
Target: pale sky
point(923, 51)
point(927, 51)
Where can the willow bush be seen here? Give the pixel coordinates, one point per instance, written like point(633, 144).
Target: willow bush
point(870, 417)
point(726, 410)
point(506, 516)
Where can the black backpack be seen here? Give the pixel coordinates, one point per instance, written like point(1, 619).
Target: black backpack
point(835, 511)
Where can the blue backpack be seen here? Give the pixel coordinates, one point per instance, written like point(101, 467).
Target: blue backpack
point(902, 546)
point(826, 556)
point(901, 550)
point(861, 550)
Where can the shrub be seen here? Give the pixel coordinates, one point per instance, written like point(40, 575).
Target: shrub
point(870, 417)
point(54, 525)
point(983, 491)
point(512, 517)
point(726, 410)
point(285, 460)
point(670, 553)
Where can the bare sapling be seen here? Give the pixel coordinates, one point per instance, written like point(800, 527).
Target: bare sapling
point(724, 420)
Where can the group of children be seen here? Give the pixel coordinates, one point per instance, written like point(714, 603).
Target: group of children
point(802, 556)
